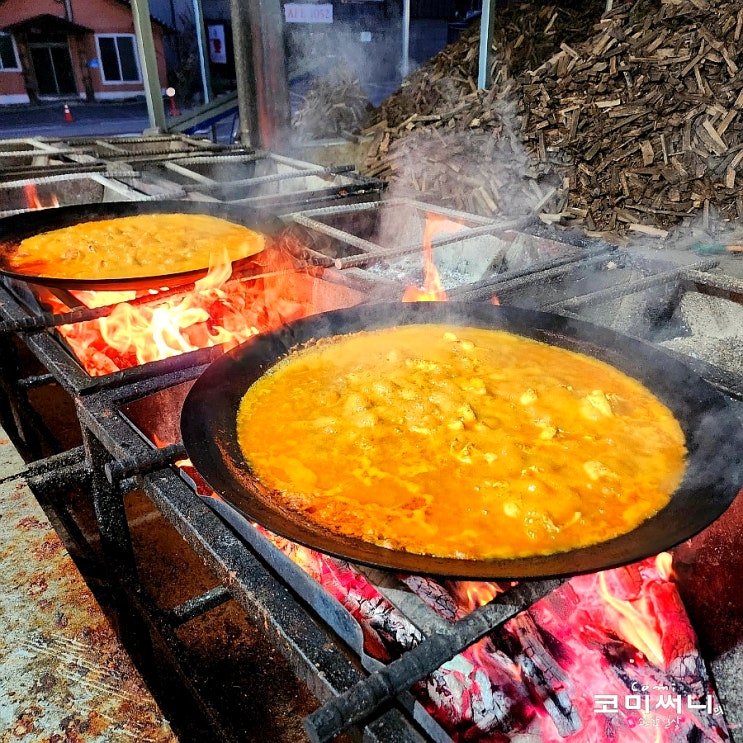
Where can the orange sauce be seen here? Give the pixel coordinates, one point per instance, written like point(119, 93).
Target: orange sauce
point(460, 442)
point(133, 247)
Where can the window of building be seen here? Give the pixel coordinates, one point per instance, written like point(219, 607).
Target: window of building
point(118, 57)
point(8, 54)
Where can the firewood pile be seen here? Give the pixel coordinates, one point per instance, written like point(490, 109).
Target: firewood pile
point(629, 123)
point(434, 135)
point(463, 158)
point(333, 106)
point(647, 113)
point(441, 137)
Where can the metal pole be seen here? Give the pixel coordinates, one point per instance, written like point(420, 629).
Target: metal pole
point(244, 77)
point(484, 78)
point(259, 53)
point(199, 23)
point(405, 67)
point(148, 60)
point(269, 66)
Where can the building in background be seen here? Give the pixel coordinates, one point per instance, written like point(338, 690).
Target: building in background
point(364, 38)
point(83, 49)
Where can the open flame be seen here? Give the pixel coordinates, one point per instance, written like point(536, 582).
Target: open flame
point(432, 289)
point(664, 565)
point(216, 311)
point(34, 201)
point(635, 621)
point(565, 669)
point(471, 594)
point(579, 662)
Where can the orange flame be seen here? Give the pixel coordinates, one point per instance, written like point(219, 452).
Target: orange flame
point(494, 300)
point(469, 594)
point(636, 623)
point(33, 200)
point(664, 565)
point(480, 593)
point(215, 312)
point(432, 290)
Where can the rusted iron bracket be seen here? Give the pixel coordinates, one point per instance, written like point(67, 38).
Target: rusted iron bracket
point(121, 469)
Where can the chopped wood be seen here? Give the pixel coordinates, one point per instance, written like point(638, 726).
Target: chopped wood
point(719, 144)
point(637, 116)
point(736, 160)
point(648, 230)
point(648, 156)
point(333, 105)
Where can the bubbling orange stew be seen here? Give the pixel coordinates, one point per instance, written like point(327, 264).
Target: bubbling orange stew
point(460, 442)
point(134, 247)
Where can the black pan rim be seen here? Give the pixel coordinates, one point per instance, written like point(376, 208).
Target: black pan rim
point(714, 438)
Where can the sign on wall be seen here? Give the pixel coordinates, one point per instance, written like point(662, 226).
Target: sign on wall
point(217, 46)
point(308, 12)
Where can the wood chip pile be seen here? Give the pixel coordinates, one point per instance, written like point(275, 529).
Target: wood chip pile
point(648, 112)
point(631, 121)
point(441, 137)
point(333, 106)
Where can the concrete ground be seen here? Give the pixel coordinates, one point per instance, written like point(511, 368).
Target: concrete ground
point(56, 644)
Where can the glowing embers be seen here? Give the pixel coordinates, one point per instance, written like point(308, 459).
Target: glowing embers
point(219, 310)
point(609, 657)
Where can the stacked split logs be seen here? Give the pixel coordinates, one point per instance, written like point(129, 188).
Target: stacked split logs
point(647, 113)
point(441, 137)
point(627, 122)
point(333, 106)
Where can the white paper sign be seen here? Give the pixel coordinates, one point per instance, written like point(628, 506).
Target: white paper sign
point(308, 12)
point(217, 47)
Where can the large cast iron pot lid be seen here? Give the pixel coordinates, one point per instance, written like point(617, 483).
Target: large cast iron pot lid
point(714, 437)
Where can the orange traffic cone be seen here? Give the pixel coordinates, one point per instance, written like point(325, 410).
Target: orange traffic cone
point(67, 114)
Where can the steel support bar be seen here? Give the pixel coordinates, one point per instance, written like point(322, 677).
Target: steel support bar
point(604, 295)
point(120, 469)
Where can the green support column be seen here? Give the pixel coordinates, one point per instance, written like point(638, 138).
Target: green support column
point(148, 62)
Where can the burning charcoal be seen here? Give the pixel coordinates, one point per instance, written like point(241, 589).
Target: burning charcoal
point(386, 631)
point(463, 695)
point(433, 594)
point(548, 681)
point(390, 626)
